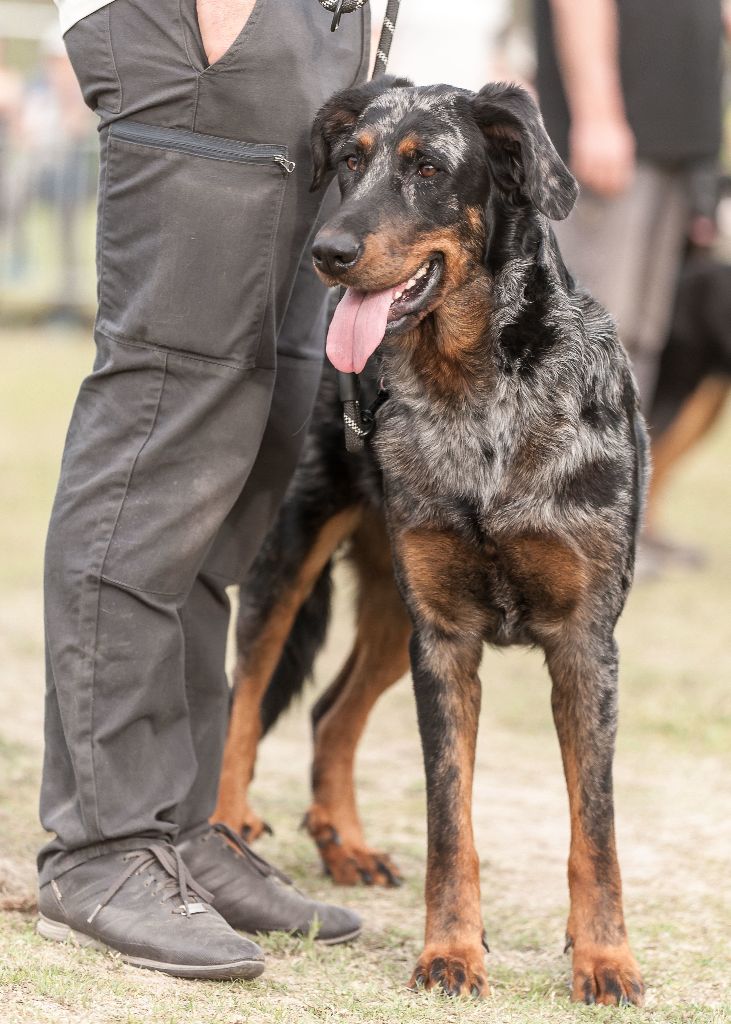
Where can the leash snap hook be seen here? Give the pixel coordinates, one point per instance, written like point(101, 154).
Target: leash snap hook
point(337, 15)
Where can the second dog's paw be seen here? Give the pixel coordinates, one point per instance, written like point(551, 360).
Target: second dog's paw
point(349, 863)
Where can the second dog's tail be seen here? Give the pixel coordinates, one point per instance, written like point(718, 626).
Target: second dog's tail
point(298, 655)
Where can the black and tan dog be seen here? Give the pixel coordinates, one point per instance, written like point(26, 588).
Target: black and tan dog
point(499, 501)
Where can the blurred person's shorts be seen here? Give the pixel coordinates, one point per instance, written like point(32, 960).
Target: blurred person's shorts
point(627, 251)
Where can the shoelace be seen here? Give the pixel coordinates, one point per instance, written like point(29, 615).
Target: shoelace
point(178, 883)
point(264, 868)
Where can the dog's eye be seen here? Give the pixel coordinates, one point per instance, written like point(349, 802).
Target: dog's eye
point(351, 162)
point(427, 170)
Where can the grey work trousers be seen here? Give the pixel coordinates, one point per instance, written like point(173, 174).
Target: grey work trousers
point(627, 250)
point(209, 339)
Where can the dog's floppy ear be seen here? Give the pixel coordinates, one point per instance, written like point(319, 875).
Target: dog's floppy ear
point(520, 151)
point(337, 118)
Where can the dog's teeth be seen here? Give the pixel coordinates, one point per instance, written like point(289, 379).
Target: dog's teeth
point(420, 272)
point(397, 295)
point(411, 282)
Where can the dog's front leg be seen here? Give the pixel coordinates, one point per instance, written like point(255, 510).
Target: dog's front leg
point(447, 693)
point(584, 699)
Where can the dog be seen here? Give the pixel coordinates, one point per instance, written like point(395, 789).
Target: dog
point(693, 380)
point(499, 500)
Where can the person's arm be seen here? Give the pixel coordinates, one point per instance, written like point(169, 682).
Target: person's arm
point(220, 22)
point(601, 143)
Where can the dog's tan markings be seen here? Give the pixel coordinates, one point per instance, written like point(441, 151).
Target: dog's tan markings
point(365, 139)
point(254, 673)
point(445, 593)
point(409, 145)
point(445, 350)
point(379, 658)
point(604, 969)
point(444, 577)
point(551, 575)
point(476, 221)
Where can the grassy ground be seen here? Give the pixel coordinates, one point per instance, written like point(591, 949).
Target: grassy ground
point(673, 790)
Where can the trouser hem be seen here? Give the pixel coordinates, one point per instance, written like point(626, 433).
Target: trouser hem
point(58, 863)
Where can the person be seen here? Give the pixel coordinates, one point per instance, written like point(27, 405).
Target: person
point(209, 338)
point(55, 165)
point(630, 91)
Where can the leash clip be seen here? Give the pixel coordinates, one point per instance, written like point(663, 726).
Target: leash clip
point(337, 15)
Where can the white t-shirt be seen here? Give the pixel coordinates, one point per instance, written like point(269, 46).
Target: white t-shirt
point(72, 11)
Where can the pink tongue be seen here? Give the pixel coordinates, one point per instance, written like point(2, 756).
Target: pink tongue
point(357, 328)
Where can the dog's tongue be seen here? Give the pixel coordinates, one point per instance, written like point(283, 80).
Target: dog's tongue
point(357, 328)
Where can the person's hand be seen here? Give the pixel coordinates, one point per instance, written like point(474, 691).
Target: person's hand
point(702, 231)
point(220, 22)
point(602, 154)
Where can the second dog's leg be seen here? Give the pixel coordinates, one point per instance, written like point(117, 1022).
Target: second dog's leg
point(584, 672)
point(254, 671)
point(379, 658)
point(697, 415)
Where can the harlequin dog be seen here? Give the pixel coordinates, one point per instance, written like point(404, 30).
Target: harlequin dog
point(498, 501)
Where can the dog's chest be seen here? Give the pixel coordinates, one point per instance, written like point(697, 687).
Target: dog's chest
point(493, 461)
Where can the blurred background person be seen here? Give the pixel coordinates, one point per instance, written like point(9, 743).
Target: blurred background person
point(11, 105)
point(48, 171)
point(56, 131)
point(631, 95)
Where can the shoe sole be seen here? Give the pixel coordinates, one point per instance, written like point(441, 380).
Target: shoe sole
point(239, 969)
point(335, 940)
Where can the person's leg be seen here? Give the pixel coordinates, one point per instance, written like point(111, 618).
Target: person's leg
point(205, 616)
point(626, 251)
point(197, 256)
point(601, 243)
point(655, 294)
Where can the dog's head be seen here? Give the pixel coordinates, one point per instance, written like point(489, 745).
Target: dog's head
point(419, 170)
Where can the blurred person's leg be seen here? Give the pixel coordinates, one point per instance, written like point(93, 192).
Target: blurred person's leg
point(627, 251)
point(199, 246)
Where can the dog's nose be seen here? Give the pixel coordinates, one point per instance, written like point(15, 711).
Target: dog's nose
point(334, 253)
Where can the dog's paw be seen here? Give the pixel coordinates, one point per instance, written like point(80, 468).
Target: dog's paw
point(608, 975)
point(247, 825)
point(349, 863)
point(352, 865)
point(458, 972)
point(253, 827)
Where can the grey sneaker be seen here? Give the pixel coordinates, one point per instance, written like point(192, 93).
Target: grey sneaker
point(144, 905)
point(253, 895)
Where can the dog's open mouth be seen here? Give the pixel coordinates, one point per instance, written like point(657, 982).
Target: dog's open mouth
point(363, 319)
point(411, 296)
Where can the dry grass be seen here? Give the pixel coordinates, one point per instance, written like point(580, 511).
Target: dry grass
point(673, 789)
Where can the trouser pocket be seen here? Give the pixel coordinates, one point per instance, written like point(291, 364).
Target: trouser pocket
point(187, 230)
point(89, 46)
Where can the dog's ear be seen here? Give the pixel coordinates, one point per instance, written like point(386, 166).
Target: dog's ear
point(338, 117)
point(520, 151)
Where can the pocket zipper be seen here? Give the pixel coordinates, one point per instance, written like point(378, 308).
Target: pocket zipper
point(211, 146)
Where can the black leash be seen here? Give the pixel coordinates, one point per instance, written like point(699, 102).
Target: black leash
point(359, 423)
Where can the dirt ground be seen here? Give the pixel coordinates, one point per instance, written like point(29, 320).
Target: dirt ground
point(672, 780)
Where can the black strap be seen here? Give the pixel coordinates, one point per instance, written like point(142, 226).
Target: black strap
point(341, 7)
point(384, 43)
point(359, 424)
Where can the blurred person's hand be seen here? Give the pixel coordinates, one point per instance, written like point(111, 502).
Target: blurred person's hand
point(601, 142)
point(220, 22)
point(703, 231)
point(602, 153)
